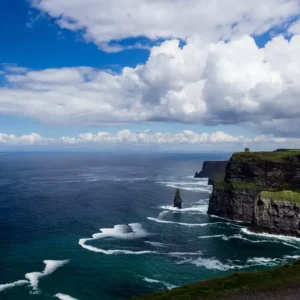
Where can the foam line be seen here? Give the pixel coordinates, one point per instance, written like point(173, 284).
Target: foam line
point(179, 223)
point(273, 236)
point(211, 236)
point(168, 285)
point(124, 232)
point(200, 208)
point(12, 284)
point(64, 297)
point(51, 266)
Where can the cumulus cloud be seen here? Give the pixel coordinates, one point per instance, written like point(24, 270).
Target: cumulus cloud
point(104, 21)
point(233, 82)
point(126, 137)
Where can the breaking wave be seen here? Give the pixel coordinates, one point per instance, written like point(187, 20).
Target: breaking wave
point(179, 223)
point(12, 284)
point(200, 208)
point(34, 277)
point(167, 285)
point(51, 266)
point(64, 297)
point(124, 232)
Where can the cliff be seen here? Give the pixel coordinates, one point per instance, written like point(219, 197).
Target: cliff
point(213, 170)
point(277, 212)
point(280, 283)
point(247, 175)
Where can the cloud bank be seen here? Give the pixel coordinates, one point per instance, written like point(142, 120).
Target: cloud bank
point(233, 82)
point(104, 21)
point(148, 138)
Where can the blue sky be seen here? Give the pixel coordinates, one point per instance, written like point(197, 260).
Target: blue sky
point(220, 75)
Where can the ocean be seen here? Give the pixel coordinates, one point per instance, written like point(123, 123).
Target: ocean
point(102, 226)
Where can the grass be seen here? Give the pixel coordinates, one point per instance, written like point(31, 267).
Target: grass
point(234, 284)
point(273, 156)
point(292, 196)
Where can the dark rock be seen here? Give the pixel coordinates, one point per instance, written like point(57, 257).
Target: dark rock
point(277, 216)
point(213, 170)
point(211, 167)
point(248, 174)
point(177, 199)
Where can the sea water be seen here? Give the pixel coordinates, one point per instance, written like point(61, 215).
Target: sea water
point(102, 226)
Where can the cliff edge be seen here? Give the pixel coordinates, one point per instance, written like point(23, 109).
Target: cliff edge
point(213, 170)
point(247, 176)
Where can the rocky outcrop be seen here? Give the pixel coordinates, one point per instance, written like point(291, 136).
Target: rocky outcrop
point(277, 212)
point(248, 174)
point(177, 199)
point(213, 170)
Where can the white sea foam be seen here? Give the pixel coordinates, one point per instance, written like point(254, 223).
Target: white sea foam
point(292, 256)
point(51, 266)
point(236, 221)
point(211, 264)
point(286, 240)
point(179, 223)
point(199, 208)
point(157, 244)
point(64, 297)
point(168, 285)
point(163, 213)
point(264, 261)
point(211, 236)
point(192, 189)
point(179, 254)
point(12, 284)
point(124, 232)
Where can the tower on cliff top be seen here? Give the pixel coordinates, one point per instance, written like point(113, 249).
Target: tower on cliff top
point(247, 149)
point(177, 199)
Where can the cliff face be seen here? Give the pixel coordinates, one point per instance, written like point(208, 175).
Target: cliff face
point(277, 212)
point(213, 170)
point(248, 174)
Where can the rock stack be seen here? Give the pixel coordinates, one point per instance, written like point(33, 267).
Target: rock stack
point(177, 199)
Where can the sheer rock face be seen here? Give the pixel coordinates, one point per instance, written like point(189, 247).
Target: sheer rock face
point(247, 174)
point(177, 199)
point(211, 169)
point(276, 216)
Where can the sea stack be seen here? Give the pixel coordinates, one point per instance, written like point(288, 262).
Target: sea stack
point(177, 199)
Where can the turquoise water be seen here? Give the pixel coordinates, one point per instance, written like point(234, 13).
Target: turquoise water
point(99, 226)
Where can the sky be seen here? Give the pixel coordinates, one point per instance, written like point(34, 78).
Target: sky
point(149, 75)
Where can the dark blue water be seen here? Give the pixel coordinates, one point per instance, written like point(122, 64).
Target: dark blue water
point(51, 205)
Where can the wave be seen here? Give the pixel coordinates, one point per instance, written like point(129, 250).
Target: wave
point(211, 236)
point(286, 240)
point(264, 261)
point(157, 244)
point(64, 297)
point(51, 266)
point(199, 208)
point(236, 221)
point(179, 254)
point(162, 213)
point(211, 264)
point(124, 232)
point(192, 189)
point(167, 285)
point(179, 223)
point(12, 284)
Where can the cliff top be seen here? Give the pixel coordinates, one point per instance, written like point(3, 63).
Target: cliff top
point(281, 196)
point(246, 284)
point(273, 156)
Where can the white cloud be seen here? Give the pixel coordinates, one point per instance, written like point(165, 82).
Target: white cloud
point(104, 21)
point(205, 83)
point(126, 137)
